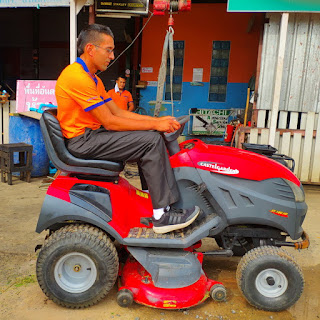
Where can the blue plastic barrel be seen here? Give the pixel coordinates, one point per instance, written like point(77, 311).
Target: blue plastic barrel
point(27, 130)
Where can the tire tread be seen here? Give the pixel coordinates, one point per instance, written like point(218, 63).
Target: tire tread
point(95, 239)
point(257, 253)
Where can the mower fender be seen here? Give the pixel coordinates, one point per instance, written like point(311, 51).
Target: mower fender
point(57, 211)
point(268, 202)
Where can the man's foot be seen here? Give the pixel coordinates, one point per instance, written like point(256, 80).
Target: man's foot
point(174, 219)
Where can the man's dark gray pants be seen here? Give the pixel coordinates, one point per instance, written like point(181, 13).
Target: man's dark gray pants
point(147, 148)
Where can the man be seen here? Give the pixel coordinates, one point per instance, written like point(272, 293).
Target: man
point(95, 128)
point(121, 97)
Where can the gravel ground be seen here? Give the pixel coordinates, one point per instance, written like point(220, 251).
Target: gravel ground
point(21, 298)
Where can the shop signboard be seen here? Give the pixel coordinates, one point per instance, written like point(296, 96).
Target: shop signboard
point(210, 121)
point(274, 6)
point(32, 93)
point(131, 7)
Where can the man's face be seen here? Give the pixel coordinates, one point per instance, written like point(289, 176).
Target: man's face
point(103, 52)
point(121, 83)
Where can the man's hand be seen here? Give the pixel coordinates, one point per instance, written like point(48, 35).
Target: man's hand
point(167, 124)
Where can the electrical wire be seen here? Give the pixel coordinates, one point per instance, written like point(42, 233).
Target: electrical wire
point(133, 41)
point(131, 170)
point(45, 185)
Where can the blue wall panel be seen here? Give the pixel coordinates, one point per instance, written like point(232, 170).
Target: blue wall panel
point(196, 97)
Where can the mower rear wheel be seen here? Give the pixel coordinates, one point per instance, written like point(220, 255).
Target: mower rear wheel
point(77, 266)
point(269, 278)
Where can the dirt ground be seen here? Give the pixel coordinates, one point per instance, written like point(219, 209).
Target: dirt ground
point(21, 298)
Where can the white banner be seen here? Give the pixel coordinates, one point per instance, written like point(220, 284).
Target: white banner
point(37, 3)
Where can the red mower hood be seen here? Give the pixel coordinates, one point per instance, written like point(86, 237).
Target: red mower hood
point(230, 161)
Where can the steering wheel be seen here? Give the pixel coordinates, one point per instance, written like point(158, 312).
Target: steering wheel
point(169, 137)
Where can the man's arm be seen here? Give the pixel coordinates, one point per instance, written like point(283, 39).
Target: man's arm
point(129, 115)
point(116, 119)
point(131, 106)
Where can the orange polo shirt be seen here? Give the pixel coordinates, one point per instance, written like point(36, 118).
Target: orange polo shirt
point(121, 99)
point(77, 92)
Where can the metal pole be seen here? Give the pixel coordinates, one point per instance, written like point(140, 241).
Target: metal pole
point(73, 31)
point(278, 78)
point(92, 14)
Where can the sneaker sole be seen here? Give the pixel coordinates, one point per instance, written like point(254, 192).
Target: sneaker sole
point(166, 229)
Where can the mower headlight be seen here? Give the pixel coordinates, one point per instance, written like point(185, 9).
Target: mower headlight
point(298, 192)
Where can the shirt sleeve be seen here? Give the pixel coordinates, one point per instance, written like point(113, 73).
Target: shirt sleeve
point(86, 93)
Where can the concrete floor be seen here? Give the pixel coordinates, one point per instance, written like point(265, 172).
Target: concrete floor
point(21, 298)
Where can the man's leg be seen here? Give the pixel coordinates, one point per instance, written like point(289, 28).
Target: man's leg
point(144, 184)
point(148, 149)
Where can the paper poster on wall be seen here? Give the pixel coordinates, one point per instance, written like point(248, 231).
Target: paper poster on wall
point(152, 83)
point(146, 70)
point(32, 93)
point(197, 75)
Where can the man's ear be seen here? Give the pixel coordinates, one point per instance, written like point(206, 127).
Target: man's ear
point(89, 48)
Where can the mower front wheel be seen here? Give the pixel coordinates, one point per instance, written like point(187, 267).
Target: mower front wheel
point(124, 298)
point(77, 266)
point(218, 292)
point(269, 278)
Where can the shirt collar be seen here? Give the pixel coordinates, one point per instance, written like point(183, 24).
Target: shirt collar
point(85, 68)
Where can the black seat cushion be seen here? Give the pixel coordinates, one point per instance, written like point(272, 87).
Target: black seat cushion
point(63, 160)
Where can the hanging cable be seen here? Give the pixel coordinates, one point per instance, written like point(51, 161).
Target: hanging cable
point(133, 41)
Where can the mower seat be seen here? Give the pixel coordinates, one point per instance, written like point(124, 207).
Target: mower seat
point(63, 160)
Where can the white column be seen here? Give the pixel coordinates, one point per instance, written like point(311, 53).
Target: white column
point(73, 31)
point(278, 77)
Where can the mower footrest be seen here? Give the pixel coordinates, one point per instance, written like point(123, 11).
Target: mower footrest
point(183, 238)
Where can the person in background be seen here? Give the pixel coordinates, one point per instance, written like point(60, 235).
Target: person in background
point(120, 96)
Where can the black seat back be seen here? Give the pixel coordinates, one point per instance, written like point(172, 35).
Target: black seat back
point(63, 160)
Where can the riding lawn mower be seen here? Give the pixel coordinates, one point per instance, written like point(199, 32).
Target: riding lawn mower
point(251, 206)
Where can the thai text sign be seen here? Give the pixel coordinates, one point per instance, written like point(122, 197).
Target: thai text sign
point(274, 5)
point(32, 93)
point(123, 6)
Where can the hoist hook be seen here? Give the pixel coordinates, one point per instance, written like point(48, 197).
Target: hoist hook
point(170, 21)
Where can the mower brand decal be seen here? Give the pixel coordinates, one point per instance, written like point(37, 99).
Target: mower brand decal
point(142, 194)
point(169, 303)
point(280, 213)
point(217, 168)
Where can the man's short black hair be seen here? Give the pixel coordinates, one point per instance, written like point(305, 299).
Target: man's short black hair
point(122, 76)
point(91, 34)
